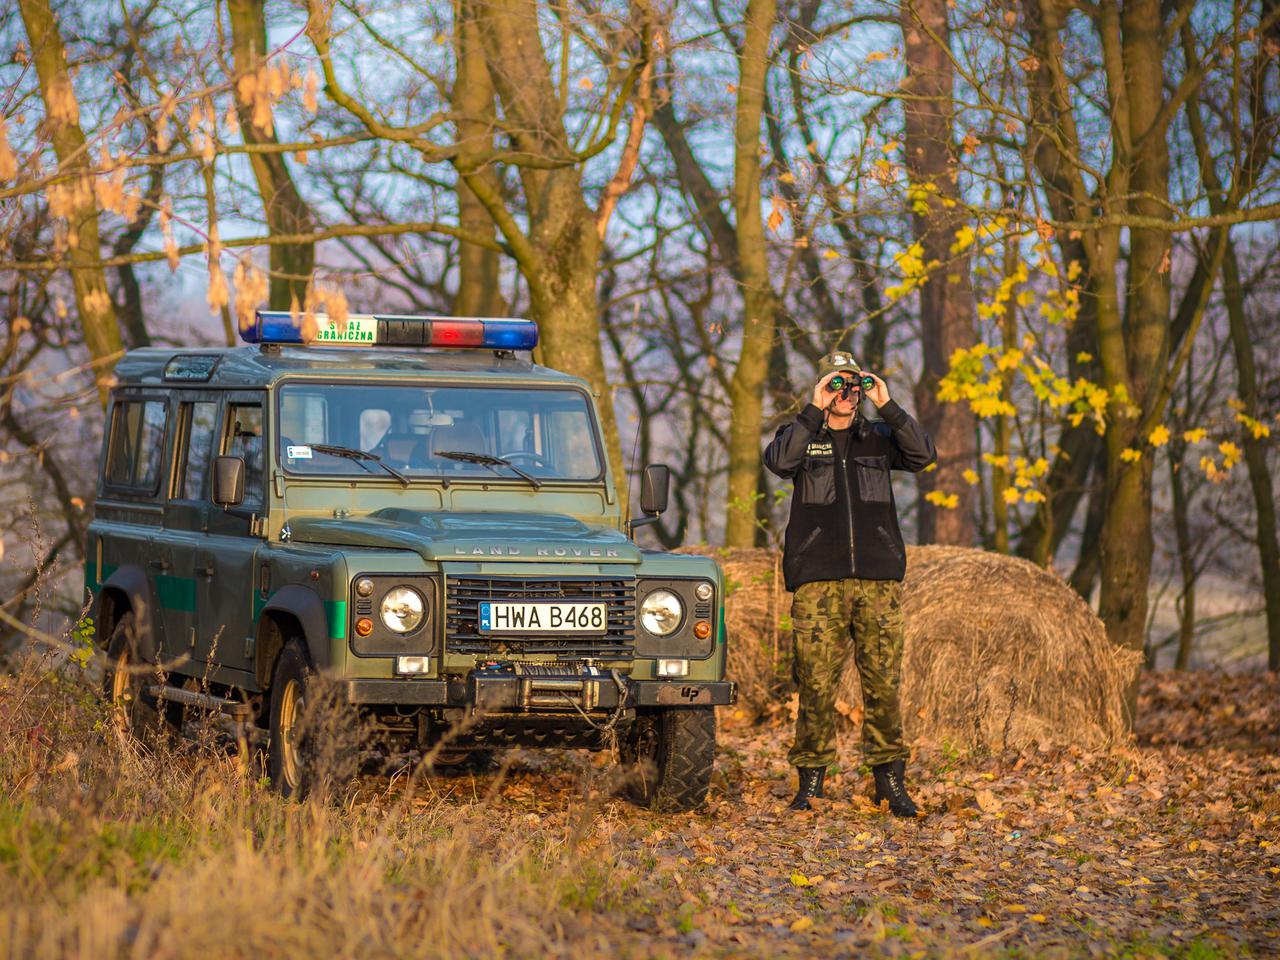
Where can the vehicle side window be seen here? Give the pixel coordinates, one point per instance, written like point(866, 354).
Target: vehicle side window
point(137, 441)
point(202, 421)
point(244, 440)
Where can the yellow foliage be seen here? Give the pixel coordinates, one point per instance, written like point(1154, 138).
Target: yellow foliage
point(1256, 427)
point(1033, 496)
point(1196, 435)
point(970, 476)
point(947, 501)
point(1159, 436)
point(1011, 495)
point(1130, 455)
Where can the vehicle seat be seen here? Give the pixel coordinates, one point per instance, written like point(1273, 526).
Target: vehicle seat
point(460, 436)
point(402, 449)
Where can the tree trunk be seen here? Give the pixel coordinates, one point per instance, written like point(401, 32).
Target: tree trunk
point(62, 119)
point(946, 297)
point(1186, 559)
point(1255, 453)
point(479, 293)
point(759, 315)
point(559, 255)
point(1139, 364)
point(286, 211)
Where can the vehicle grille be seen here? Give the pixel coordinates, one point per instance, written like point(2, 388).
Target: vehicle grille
point(463, 596)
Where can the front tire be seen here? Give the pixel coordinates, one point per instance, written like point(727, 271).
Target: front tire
point(670, 753)
point(288, 757)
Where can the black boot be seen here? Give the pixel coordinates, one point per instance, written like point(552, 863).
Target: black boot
point(810, 786)
point(891, 785)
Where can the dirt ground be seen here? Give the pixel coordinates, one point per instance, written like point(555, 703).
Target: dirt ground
point(1170, 847)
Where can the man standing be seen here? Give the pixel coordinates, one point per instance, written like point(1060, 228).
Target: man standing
point(844, 559)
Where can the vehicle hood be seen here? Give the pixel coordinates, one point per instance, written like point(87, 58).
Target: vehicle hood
point(444, 536)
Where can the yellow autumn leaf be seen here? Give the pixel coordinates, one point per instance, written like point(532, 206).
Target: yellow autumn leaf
point(585, 83)
point(1130, 455)
point(970, 476)
point(1159, 436)
point(801, 925)
point(1011, 495)
point(830, 255)
point(800, 880)
point(1033, 496)
point(1195, 436)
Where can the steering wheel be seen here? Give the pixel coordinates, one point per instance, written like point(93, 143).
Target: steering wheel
point(527, 456)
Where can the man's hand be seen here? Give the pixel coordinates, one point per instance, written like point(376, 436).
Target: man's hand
point(822, 397)
point(879, 394)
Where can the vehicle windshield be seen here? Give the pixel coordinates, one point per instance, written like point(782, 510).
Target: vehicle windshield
point(546, 433)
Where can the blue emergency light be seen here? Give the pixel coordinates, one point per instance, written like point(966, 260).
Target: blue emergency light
point(375, 330)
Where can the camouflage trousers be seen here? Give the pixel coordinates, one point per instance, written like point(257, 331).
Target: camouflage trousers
point(830, 617)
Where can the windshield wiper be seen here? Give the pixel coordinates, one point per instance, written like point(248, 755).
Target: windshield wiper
point(359, 456)
point(485, 460)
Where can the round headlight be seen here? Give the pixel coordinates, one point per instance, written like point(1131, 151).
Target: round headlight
point(661, 613)
point(402, 609)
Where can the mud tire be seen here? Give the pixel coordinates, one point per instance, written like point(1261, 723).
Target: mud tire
point(669, 754)
point(150, 722)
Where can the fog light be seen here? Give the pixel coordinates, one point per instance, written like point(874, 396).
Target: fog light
point(673, 668)
point(702, 629)
point(364, 627)
point(413, 664)
point(703, 591)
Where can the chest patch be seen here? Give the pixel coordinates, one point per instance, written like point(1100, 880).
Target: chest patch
point(819, 448)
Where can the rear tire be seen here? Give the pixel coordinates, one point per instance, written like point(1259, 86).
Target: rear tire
point(670, 754)
point(124, 684)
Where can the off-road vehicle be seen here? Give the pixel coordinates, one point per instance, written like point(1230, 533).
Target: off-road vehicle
point(413, 512)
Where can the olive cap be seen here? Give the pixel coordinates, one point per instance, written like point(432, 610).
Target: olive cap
point(838, 361)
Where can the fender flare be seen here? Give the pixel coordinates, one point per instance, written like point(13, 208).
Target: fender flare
point(132, 582)
point(303, 605)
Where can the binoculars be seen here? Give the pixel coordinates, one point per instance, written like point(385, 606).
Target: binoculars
point(844, 385)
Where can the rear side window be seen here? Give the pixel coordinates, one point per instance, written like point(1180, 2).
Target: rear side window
point(137, 442)
point(201, 426)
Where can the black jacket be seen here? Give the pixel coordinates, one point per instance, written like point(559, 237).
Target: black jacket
point(843, 519)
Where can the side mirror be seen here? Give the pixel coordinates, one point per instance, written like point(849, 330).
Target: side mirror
point(228, 481)
point(655, 488)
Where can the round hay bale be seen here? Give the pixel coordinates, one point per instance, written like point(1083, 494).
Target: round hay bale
point(757, 617)
point(999, 652)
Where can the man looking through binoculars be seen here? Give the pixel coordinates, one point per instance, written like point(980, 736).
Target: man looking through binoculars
point(844, 559)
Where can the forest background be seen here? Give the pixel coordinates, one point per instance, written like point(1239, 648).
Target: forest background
point(1049, 225)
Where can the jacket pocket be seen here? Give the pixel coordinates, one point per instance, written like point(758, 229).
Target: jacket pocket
point(890, 543)
point(818, 482)
point(873, 479)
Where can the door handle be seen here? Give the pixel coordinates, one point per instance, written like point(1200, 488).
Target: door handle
point(159, 563)
point(206, 571)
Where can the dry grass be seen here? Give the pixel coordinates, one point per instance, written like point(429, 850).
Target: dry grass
point(999, 652)
point(106, 850)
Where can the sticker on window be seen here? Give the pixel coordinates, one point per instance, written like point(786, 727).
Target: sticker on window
point(298, 453)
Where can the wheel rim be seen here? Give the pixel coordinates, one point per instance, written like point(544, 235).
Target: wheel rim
point(121, 683)
point(291, 704)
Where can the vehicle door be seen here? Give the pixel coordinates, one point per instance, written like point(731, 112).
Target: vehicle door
point(130, 505)
point(186, 518)
point(225, 585)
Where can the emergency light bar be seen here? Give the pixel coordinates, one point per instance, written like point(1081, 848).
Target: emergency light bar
point(373, 330)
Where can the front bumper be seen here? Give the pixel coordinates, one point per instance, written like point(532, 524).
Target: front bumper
point(491, 692)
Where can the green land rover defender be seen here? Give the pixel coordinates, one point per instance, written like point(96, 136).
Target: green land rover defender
point(410, 512)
